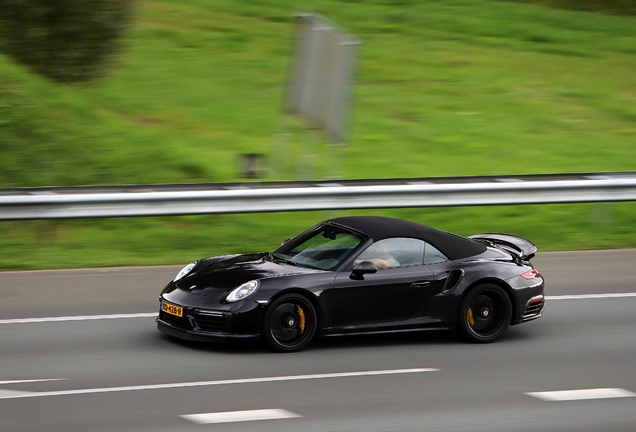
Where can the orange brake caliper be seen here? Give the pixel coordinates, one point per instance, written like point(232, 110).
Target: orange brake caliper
point(469, 317)
point(301, 317)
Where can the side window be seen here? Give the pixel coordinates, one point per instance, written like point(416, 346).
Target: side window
point(394, 252)
point(433, 255)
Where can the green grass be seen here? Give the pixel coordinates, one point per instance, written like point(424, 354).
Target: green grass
point(446, 88)
point(616, 7)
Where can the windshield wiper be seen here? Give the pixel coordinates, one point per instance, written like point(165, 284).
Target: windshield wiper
point(299, 264)
point(276, 258)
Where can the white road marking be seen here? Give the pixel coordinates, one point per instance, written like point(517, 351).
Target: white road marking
point(240, 416)
point(31, 380)
point(570, 395)
point(13, 394)
point(154, 314)
point(78, 318)
point(222, 382)
point(590, 296)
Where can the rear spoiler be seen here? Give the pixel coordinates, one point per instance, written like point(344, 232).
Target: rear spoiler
point(517, 245)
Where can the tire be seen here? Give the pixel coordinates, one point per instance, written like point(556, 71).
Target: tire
point(484, 314)
point(289, 323)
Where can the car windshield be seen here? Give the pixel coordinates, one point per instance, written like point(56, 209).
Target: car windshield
point(324, 248)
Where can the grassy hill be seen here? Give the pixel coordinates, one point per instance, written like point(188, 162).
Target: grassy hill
point(447, 87)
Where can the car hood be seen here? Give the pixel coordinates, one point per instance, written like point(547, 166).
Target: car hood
point(227, 273)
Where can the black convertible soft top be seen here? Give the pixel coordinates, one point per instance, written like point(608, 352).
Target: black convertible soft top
point(379, 228)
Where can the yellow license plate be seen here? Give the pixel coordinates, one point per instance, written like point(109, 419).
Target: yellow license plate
point(172, 309)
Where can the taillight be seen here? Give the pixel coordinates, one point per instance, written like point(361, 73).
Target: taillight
point(530, 274)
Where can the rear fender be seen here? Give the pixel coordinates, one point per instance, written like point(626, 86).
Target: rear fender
point(500, 283)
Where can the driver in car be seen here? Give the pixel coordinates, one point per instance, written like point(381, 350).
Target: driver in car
point(379, 255)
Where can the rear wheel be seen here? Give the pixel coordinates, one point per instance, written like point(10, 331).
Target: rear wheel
point(289, 323)
point(484, 313)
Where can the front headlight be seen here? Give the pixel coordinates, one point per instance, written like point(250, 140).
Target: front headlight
point(184, 271)
point(243, 291)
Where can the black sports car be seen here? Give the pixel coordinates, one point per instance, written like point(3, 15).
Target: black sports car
point(354, 275)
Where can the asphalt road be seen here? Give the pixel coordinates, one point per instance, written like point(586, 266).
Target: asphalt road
point(121, 374)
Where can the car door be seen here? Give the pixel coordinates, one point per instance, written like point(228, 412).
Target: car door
point(389, 295)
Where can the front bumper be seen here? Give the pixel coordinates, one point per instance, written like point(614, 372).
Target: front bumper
point(199, 336)
point(198, 324)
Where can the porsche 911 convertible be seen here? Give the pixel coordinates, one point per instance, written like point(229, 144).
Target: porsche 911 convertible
point(357, 275)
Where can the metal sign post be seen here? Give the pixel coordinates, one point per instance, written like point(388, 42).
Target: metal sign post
point(319, 94)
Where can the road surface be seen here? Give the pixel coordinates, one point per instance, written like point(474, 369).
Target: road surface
point(79, 351)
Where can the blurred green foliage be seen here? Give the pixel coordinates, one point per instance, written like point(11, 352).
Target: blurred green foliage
point(446, 88)
point(64, 40)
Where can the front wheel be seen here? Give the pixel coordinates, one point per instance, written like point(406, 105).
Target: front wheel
point(290, 323)
point(484, 313)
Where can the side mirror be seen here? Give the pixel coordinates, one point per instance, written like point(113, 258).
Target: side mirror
point(360, 269)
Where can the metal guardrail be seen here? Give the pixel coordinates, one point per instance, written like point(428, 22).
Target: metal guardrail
point(255, 197)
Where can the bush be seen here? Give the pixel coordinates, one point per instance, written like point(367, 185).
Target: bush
point(64, 40)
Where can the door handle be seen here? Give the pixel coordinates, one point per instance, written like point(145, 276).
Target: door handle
point(420, 284)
